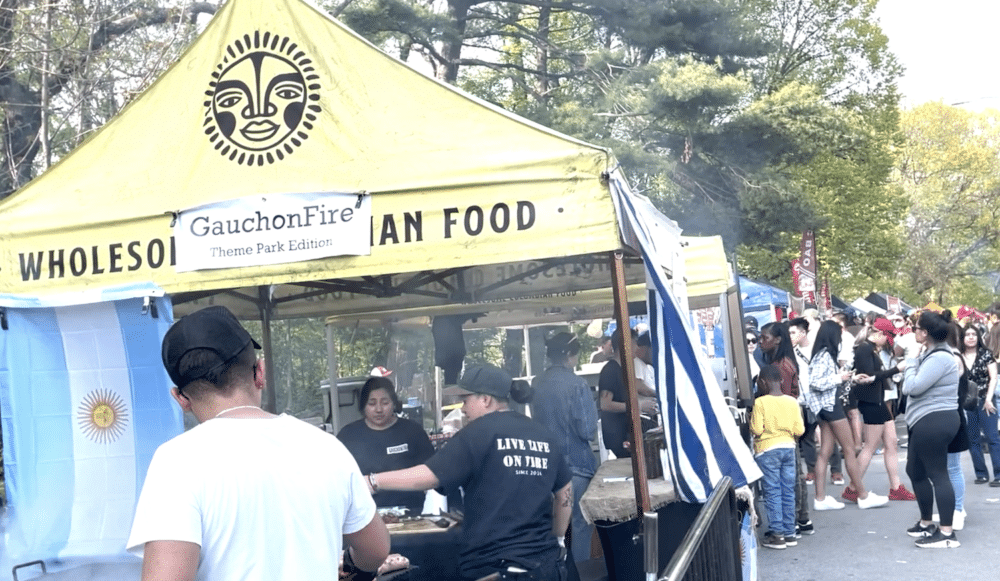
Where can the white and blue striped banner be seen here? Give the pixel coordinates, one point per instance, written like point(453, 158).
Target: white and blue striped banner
point(703, 443)
point(84, 402)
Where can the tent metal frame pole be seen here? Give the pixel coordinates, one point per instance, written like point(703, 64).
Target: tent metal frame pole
point(265, 305)
point(631, 396)
point(333, 371)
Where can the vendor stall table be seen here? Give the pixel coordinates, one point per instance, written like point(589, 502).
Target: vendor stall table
point(610, 504)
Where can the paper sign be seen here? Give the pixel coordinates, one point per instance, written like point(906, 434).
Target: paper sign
point(273, 229)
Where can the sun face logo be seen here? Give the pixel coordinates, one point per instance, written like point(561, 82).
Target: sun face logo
point(102, 416)
point(262, 101)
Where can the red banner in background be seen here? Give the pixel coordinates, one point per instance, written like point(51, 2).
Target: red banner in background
point(804, 270)
point(827, 296)
point(892, 304)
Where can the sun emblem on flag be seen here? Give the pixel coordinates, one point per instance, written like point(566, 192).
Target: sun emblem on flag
point(103, 416)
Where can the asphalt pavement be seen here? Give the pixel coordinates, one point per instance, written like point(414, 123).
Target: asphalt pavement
point(872, 545)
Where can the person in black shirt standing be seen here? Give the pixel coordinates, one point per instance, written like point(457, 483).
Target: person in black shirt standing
point(611, 401)
point(518, 487)
point(383, 441)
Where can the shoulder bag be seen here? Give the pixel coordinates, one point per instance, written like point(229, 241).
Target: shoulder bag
point(968, 390)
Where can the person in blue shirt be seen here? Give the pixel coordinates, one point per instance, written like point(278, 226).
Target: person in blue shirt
point(566, 405)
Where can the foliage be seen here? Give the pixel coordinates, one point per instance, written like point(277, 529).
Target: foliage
point(66, 68)
point(950, 169)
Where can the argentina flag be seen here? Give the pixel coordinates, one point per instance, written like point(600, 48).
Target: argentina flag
point(703, 443)
point(84, 403)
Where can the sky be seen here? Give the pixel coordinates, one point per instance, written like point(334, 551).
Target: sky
point(948, 48)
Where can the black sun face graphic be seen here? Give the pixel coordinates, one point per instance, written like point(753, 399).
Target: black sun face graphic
point(102, 416)
point(262, 101)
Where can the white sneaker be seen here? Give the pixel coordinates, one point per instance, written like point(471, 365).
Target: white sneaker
point(957, 520)
point(829, 503)
point(872, 500)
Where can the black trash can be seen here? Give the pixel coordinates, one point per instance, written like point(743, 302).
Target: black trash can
point(623, 545)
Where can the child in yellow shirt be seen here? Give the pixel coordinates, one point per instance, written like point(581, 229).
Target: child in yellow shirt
point(776, 422)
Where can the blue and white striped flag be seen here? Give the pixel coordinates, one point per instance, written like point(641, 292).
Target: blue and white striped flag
point(703, 443)
point(84, 402)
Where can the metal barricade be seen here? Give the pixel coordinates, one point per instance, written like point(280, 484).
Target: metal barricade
point(710, 550)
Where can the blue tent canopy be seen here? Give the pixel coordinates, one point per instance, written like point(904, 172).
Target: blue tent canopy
point(759, 295)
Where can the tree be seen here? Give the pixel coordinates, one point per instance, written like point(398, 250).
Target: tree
point(950, 169)
point(67, 69)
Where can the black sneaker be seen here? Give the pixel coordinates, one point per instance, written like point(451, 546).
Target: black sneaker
point(920, 531)
point(804, 528)
point(995, 483)
point(938, 540)
point(791, 541)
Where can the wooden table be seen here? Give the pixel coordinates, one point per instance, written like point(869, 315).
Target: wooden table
point(611, 494)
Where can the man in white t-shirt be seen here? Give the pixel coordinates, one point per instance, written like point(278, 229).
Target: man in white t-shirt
point(905, 344)
point(247, 495)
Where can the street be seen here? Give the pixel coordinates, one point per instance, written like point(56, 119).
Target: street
point(870, 545)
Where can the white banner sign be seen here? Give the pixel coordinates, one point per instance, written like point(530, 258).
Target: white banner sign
point(273, 229)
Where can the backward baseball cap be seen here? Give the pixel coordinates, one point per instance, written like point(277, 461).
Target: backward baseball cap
point(485, 379)
point(212, 328)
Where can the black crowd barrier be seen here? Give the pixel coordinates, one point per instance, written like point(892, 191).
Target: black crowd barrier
point(710, 550)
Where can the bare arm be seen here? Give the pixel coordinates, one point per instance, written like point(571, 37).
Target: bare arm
point(418, 477)
point(991, 388)
point(170, 561)
point(562, 509)
point(608, 403)
point(370, 546)
point(643, 388)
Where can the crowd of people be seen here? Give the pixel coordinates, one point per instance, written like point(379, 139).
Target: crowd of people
point(848, 381)
point(824, 388)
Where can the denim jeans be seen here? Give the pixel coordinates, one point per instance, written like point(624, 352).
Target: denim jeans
point(979, 422)
point(778, 467)
point(957, 479)
point(582, 532)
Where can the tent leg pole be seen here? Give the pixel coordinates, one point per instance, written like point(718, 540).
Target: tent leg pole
point(332, 371)
point(270, 397)
point(631, 396)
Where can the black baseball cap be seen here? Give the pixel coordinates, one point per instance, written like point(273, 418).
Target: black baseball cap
point(212, 328)
point(562, 344)
point(486, 379)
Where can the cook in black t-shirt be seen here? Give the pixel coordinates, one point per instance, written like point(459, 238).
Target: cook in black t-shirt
point(509, 466)
point(381, 441)
point(401, 445)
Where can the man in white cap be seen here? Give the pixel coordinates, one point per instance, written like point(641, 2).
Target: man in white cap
point(241, 496)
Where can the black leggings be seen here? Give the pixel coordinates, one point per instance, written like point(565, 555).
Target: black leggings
point(927, 464)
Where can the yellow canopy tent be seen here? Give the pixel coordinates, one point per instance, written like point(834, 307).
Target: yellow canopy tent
point(462, 207)
point(706, 270)
point(275, 98)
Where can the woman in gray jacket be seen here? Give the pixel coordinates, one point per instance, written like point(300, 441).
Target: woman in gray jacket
point(931, 384)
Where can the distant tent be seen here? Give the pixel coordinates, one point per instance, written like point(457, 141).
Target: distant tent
point(932, 306)
point(840, 305)
point(760, 299)
point(881, 300)
point(866, 307)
